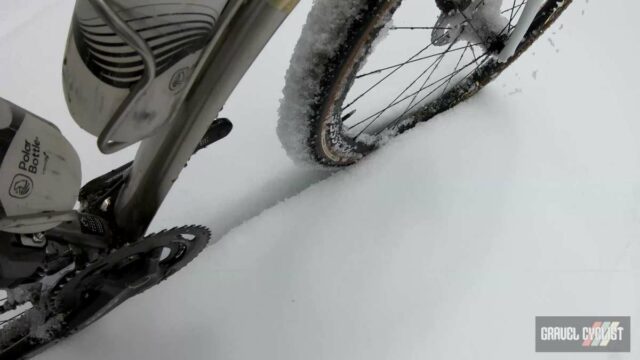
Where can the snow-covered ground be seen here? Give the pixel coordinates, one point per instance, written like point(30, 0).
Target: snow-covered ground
point(446, 244)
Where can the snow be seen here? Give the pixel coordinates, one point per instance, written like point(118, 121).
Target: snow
point(443, 245)
point(488, 14)
point(15, 14)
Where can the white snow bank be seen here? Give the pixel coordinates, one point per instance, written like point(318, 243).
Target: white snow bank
point(15, 13)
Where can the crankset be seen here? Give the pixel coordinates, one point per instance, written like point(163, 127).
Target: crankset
point(87, 291)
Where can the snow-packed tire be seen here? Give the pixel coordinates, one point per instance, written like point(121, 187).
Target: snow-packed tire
point(334, 44)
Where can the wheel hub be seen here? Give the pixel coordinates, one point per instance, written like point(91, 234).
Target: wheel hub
point(478, 21)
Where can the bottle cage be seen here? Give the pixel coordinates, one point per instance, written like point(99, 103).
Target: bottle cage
point(142, 93)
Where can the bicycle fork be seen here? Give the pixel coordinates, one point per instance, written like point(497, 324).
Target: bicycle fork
point(526, 19)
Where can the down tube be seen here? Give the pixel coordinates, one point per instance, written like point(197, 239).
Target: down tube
point(248, 26)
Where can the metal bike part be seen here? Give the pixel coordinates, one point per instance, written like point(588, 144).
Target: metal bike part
point(85, 231)
point(218, 130)
point(35, 240)
point(96, 196)
point(125, 111)
point(76, 295)
point(127, 61)
point(244, 29)
point(87, 294)
point(526, 19)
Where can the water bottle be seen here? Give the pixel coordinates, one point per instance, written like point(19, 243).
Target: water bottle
point(39, 169)
point(101, 70)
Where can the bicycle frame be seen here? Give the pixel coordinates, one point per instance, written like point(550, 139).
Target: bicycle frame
point(242, 31)
point(244, 28)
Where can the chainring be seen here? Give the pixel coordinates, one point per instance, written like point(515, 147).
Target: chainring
point(90, 293)
point(86, 294)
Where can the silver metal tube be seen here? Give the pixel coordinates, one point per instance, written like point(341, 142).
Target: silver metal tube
point(133, 39)
point(531, 9)
point(244, 29)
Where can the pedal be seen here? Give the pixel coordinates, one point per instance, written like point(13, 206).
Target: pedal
point(218, 130)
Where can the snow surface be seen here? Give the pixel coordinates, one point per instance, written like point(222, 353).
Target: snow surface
point(444, 245)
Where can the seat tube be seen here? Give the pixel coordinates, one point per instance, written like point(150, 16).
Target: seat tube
point(243, 30)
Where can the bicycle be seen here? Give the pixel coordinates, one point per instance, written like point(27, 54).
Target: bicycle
point(157, 74)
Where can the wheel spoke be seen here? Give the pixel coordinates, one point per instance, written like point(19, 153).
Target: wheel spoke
point(514, 10)
point(514, 13)
point(456, 69)
point(421, 95)
point(389, 75)
point(424, 84)
point(419, 28)
point(397, 120)
point(473, 53)
point(433, 67)
point(444, 78)
point(512, 7)
point(400, 101)
point(470, 24)
point(377, 71)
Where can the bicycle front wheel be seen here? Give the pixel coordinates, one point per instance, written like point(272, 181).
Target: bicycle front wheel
point(365, 71)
